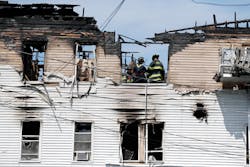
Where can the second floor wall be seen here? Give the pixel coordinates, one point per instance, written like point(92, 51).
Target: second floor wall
point(196, 59)
point(40, 44)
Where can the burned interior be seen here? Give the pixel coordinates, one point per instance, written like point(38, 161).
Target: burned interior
point(133, 145)
point(86, 62)
point(33, 57)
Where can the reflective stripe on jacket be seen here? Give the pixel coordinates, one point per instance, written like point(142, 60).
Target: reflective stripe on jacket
point(156, 71)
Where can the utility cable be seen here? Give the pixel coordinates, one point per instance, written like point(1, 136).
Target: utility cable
point(219, 4)
point(180, 145)
point(111, 16)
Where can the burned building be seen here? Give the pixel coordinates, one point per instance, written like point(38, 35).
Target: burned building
point(62, 101)
point(210, 64)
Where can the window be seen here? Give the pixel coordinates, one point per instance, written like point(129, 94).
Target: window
point(30, 140)
point(82, 144)
point(133, 145)
point(136, 70)
point(33, 60)
point(155, 142)
point(85, 59)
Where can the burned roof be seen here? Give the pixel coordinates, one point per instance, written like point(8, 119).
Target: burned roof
point(53, 16)
point(199, 33)
point(12, 10)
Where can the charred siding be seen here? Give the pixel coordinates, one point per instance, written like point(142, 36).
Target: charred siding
point(220, 141)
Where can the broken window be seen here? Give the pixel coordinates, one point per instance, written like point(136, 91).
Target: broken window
point(33, 60)
point(82, 144)
point(129, 144)
point(133, 145)
point(85, 59)
point(30, 140)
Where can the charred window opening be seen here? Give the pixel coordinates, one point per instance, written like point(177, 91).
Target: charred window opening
point(155, 142)
point(200, 112)
point(33, 60)
point(133, 145)
point(129, 144)
point(30, 140)
point(85, 59)
point(82, 144)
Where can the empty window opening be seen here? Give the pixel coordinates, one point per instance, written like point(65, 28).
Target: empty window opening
point(86, 60)
point(33, 57)
point(200, 112)
point(133, 145)
point(129, 144)
point(139, 65)
point(30, 140)
point(82, 144)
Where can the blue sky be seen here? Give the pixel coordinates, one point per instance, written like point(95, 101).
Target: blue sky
point(140, 19)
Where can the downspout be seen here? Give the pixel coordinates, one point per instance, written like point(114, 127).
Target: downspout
point(248, 129)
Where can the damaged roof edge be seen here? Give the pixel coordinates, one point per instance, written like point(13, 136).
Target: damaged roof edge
point(9, 10)
point(231, 27)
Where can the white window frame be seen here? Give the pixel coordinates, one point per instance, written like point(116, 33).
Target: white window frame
point(39, 141)
point(143, 138)
point(91, 142)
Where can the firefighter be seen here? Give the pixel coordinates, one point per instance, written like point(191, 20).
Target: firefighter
point(156, 70)
point(139, 71)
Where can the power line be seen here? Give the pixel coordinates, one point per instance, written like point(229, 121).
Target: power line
point(225, 154)
point(111, 16)
point(219, 4)
point(229, 154)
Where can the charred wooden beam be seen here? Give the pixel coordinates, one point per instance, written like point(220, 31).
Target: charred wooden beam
point(215, 22)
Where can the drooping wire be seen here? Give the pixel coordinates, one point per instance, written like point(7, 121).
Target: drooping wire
point(179, 145)
point(219, 4)
point(111, 16)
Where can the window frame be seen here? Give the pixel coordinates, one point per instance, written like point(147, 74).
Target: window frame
point(81, 62)
point(143, 134)
point(39, 141)
point(91, 142)
point(43, 43)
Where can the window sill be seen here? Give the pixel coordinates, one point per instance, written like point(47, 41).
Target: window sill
point(143, 84)
point(34, 82)
point(31, 161)
point(82, 162)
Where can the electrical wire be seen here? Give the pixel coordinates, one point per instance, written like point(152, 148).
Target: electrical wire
point(187, 107)
point(219, 4)
point(111, 16)
point(231, 154)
